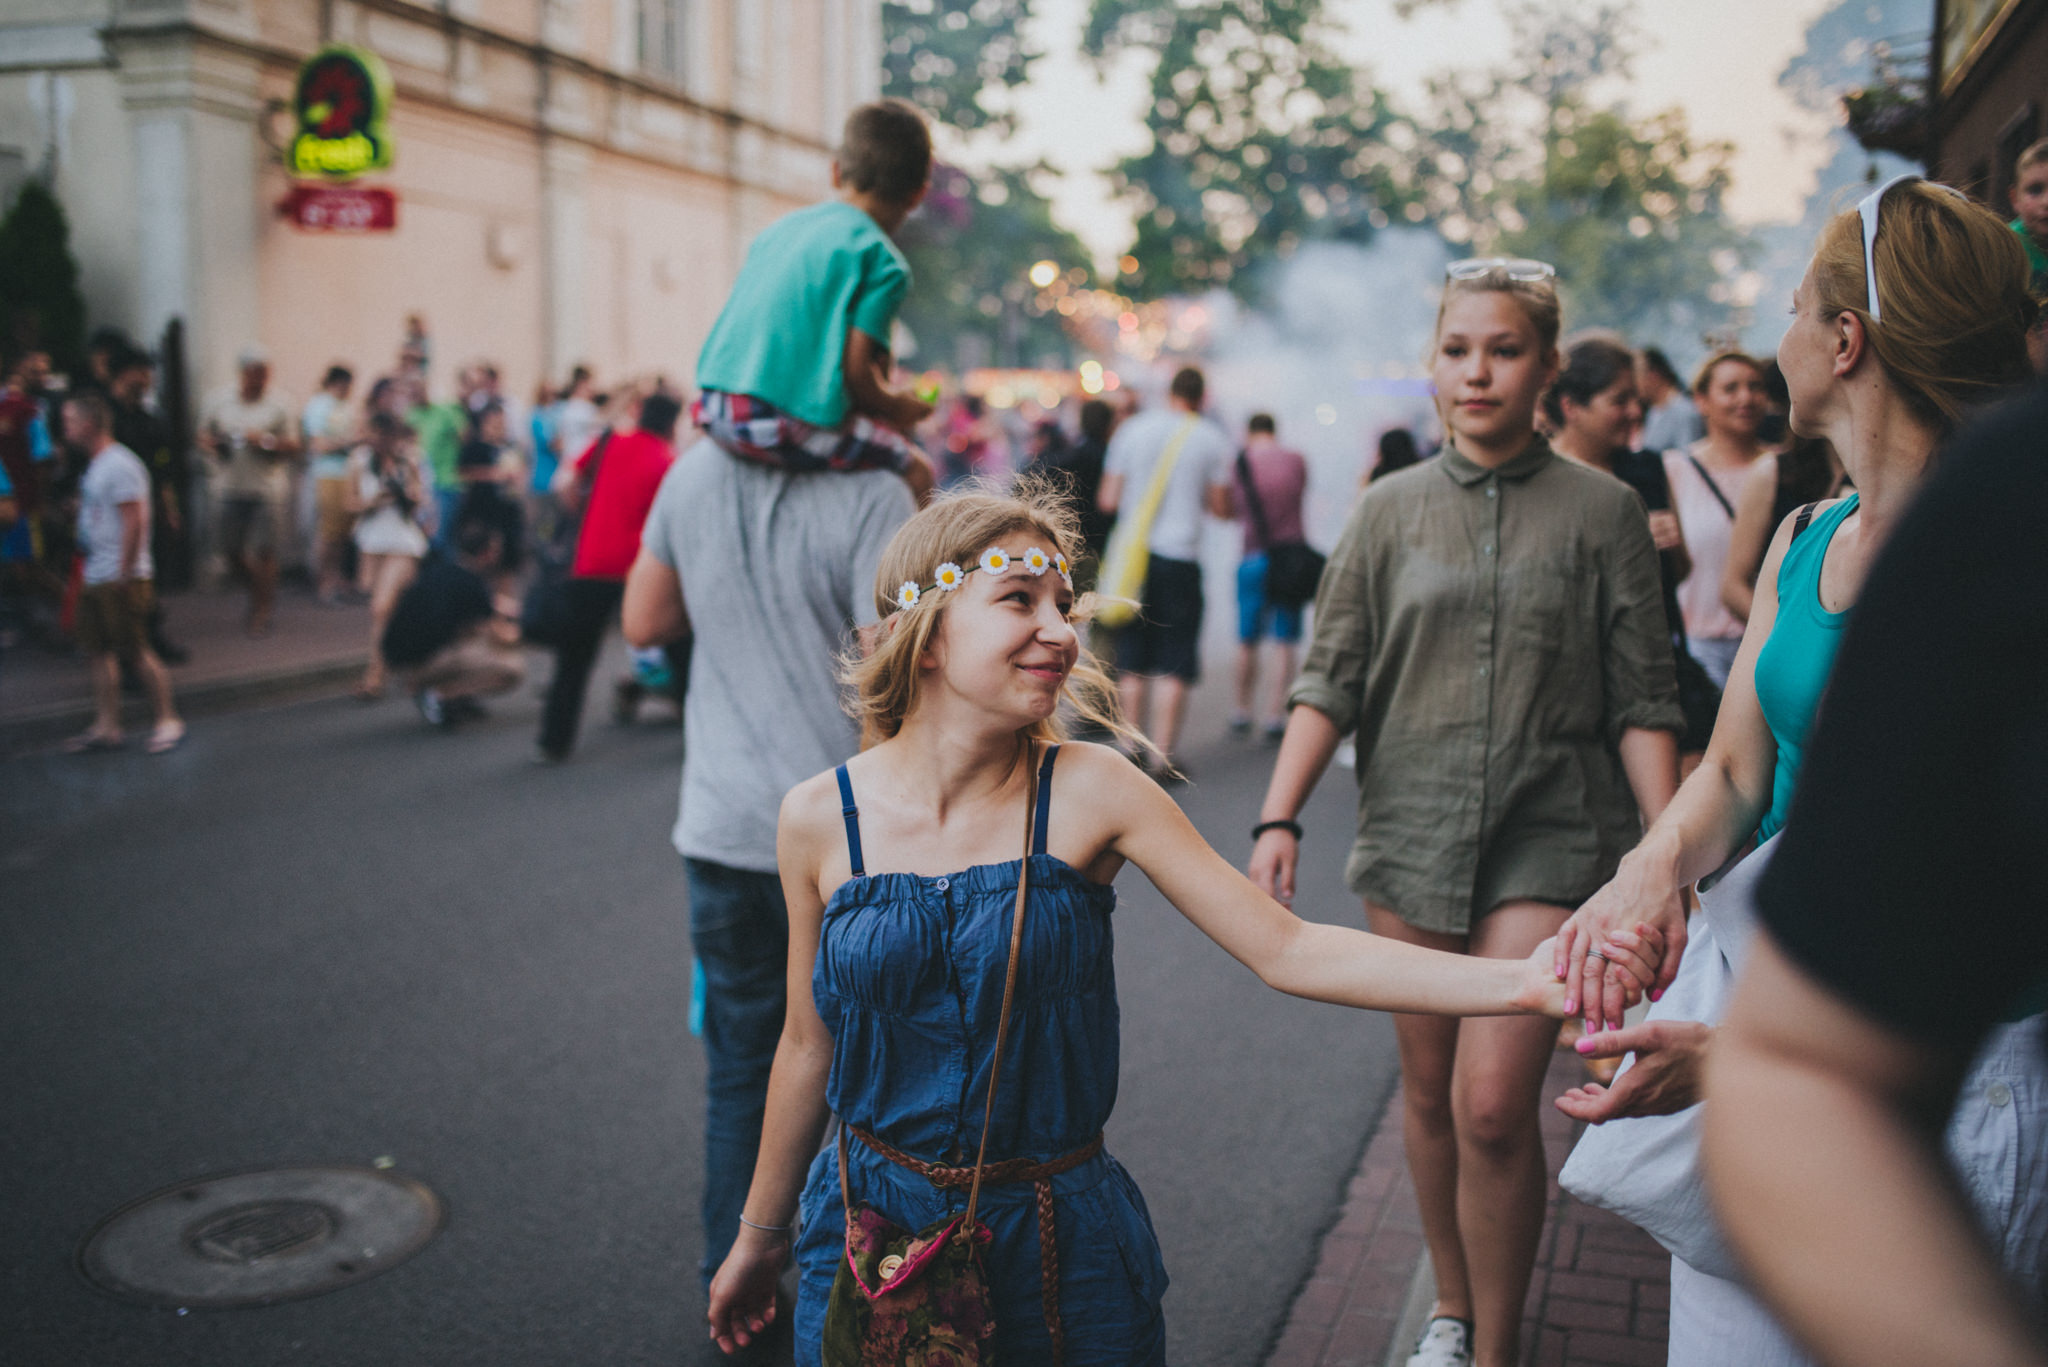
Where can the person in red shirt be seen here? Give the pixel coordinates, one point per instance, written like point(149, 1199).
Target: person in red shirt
point(615, 479)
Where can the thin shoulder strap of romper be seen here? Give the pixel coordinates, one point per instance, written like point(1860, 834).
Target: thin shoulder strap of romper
point(851, 812)
point(1039, 826)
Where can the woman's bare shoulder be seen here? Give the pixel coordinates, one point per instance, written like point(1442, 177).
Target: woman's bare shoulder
point(811, 805)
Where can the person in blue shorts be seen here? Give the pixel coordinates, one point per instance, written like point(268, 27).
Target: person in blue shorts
point(1277, 478)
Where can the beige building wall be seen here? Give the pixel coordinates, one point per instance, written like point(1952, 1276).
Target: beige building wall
point(564, 194)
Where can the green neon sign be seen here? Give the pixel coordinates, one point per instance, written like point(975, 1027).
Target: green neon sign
point(340, 104)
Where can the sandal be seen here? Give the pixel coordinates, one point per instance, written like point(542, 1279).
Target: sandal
point(166, 738)
point(92, 742)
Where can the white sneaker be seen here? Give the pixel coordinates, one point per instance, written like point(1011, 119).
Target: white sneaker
point(1445, 1342)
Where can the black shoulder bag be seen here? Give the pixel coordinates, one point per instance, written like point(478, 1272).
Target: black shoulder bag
point(544, 612)
point(1293, 568)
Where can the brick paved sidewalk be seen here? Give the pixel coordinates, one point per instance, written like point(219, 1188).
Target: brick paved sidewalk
point(1600, 1295)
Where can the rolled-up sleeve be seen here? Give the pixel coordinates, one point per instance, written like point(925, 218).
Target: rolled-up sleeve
point(1638, 679)
point(1332, 679)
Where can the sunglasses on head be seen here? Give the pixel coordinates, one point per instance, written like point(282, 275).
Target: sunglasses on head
point(1868, 211)
point(1513, 267)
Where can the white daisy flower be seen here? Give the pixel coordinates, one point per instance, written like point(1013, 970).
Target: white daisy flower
point(907, 596)
point(995, 560)
point(950, 576)
point(1059, 563)
point(1037, 561)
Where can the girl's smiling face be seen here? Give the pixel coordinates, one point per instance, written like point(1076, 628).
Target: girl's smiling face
point(1007, 641)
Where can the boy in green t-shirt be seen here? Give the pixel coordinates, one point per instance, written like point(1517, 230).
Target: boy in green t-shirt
point(795, 372)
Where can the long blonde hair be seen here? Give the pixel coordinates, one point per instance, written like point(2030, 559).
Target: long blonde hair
point(957, 527)
point(1952, 280)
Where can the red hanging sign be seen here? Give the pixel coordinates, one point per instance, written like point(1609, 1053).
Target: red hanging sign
point(340, 209)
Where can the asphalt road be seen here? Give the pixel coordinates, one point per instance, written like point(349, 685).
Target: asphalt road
point(320, 933)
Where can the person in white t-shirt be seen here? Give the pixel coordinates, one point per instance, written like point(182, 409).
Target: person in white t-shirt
point(578, 420)
point(113, 607)
point(1160, 652)
point(248, 433)
point(329, 431)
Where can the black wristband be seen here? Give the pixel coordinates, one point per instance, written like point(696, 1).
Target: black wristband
point(1293, 828)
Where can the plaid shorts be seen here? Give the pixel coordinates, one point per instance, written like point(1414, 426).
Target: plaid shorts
point(756, 430)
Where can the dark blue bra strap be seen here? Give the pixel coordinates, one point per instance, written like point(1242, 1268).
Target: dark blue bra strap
point(848, 810)
point(1038, 823)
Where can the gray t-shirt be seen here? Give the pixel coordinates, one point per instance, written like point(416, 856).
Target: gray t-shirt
point(777, 569)
point(116, 476)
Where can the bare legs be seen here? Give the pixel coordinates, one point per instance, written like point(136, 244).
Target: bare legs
point(1171, 695)
point(261, 568)
point(1470, 1092)
point(106, 697)
point(1248, 682)
point(383, 578)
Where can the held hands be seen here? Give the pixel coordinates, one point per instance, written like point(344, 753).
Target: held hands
point(1596, 984)
point(1665, 1080)
point(743, 1291)
point(1544, 991)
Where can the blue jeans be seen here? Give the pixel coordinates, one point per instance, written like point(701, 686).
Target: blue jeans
point(447, 503)
point(739, 928)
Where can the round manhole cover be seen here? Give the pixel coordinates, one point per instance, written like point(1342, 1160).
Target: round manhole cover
point(251, 1238)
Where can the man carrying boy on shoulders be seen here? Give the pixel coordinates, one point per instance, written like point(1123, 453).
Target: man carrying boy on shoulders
point(768, 558)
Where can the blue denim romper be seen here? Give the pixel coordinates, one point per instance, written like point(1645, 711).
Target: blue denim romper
point(909, 980)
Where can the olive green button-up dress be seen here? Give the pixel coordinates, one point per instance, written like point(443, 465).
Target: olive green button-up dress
point(1489, 634)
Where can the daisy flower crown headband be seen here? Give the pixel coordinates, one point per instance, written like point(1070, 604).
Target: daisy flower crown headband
point(995, 562)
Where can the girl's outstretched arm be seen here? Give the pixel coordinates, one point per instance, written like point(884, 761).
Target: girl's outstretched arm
point(743, 1292)
point(1326, 963)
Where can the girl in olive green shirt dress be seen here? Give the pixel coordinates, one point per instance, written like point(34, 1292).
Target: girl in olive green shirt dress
point(1492, 628)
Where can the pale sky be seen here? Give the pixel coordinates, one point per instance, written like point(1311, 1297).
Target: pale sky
point(1718, 61)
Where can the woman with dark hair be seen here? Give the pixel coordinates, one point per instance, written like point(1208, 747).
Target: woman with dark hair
point(1079, 478)
point(486, 465)
point(1592, 407)
point(1397, 451)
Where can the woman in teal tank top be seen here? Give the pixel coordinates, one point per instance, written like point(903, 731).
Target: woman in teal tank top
point(1886, 387)
point(1792, 668)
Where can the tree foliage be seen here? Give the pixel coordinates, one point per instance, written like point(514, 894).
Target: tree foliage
point(980, 231)
point(1527, 161)
point(970, 250)
point(946, 56)
point(40, 303)
point(1262, 136)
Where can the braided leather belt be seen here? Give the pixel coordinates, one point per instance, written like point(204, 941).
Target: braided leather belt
point(1013, 1170)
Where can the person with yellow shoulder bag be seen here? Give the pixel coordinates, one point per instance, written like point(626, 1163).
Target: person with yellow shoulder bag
point(1176, 467)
